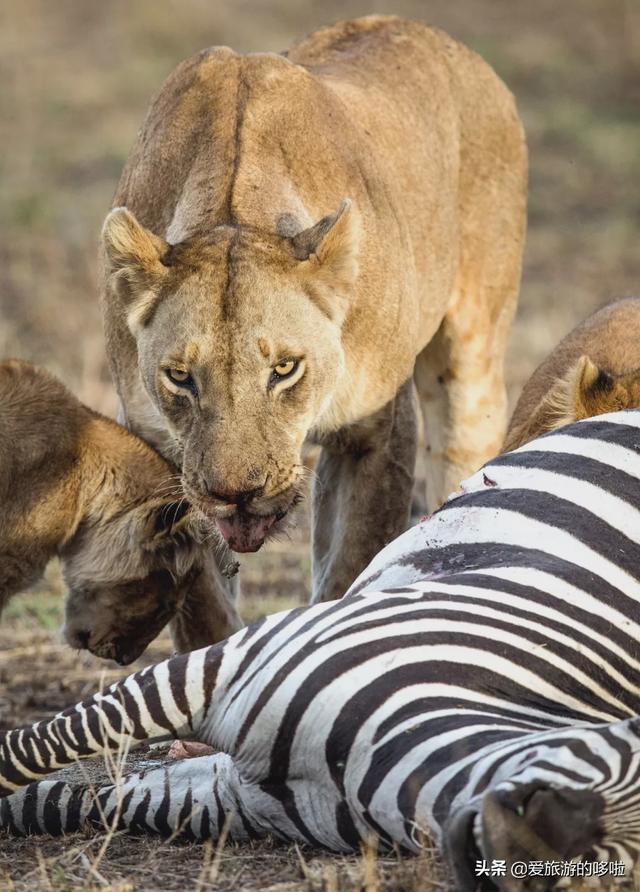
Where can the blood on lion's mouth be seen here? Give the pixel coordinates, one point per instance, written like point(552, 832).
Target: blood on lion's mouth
point(244, 532)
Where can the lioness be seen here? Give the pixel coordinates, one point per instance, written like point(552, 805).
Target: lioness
point(77, 485)
point(294, 238)
point(593, 370)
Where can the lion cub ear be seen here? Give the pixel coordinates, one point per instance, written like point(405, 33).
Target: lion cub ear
point(134, 263)
point(593, 389)
point(584, 391)
point(330, 247)
point(166, 522)
point(168, 534)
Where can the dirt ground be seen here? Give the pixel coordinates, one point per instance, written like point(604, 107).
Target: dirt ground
point(76, 79)
point(39, 675)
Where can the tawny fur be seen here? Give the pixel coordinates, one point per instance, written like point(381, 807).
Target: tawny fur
point(76, 485)
point(408, 150)
point(595, 369)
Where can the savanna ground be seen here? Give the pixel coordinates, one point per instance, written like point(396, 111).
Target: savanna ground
point(76, 77)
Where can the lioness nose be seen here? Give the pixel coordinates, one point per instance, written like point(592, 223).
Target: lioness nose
point(236, 498)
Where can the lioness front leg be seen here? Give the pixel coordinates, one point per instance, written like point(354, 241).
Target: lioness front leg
point(362, 493)
point(208, 612)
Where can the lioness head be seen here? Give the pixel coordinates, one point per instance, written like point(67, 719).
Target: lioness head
point(583, 391)
point(239, 341)
point(127, 572)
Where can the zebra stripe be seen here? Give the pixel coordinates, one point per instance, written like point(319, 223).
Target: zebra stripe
point(479, 684)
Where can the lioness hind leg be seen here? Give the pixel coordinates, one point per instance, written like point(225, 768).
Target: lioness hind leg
point(460, 383)
point(460, 375)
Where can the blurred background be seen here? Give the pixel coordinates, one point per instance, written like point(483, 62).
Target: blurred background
point(76, 77)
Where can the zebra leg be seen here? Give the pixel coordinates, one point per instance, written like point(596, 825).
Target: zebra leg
point(170, 700)
point(195, 798)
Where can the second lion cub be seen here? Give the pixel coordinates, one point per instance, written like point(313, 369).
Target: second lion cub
point(595, 369)
point(76, 485)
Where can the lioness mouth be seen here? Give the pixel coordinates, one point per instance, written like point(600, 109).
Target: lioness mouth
point(244, 532)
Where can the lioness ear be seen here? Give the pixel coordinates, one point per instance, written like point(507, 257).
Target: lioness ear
point(330, 247)
point(129, 245)
point(134, 262)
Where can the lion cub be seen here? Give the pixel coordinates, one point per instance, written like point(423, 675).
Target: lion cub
point(77, 485)
point(595, 369)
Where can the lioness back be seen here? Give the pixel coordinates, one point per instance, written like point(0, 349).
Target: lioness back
point(377, 110)
point(593, 370)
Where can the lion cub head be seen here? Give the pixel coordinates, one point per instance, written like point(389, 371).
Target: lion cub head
point(128, 570)
point(77, 486)
point(131, 557)
point(239, 343)
point(584, 391)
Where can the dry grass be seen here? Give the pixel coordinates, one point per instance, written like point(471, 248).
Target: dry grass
point(265, 865)
point(76, 79)
point(31, 688)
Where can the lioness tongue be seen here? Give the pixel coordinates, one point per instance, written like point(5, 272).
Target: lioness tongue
point(245, 532)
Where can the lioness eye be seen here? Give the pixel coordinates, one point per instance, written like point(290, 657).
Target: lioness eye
point(181, 378)
point(286, 368)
